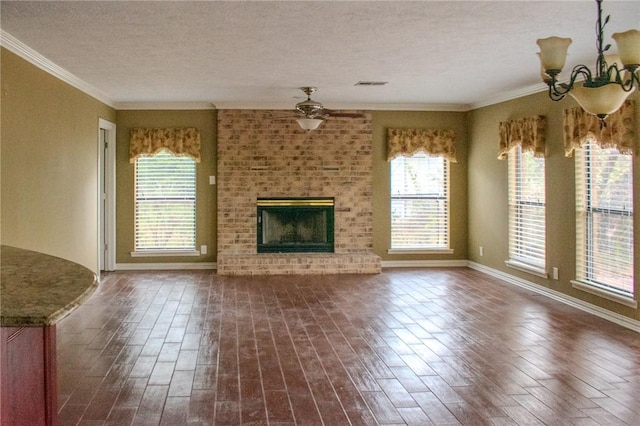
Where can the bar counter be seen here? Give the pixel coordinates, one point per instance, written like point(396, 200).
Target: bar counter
point(36, 291)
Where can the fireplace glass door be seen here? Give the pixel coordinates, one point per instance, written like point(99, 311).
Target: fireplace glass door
point(295, 225)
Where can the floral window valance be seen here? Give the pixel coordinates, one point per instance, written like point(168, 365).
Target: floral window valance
point(406, 142)
point(179, 141)
point(618, 133)
point(528, 132)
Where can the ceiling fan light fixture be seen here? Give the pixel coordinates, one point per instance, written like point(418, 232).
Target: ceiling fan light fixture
point(309, 124)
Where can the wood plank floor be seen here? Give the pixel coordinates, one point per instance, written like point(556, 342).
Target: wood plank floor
point(417, 346)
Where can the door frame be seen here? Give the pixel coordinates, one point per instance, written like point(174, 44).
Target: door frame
point(106, 195)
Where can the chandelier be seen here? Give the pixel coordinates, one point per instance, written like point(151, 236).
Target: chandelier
point(601, 92)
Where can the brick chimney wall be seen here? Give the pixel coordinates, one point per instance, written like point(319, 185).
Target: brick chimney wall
point(263, 153)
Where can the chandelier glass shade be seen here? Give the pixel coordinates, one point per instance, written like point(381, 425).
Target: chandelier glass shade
point(600, 92)
point(600, 101)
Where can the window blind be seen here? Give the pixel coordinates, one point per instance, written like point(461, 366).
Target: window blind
point(419, 202)
point(604, 218)
point(165, 194)
point(526, 184)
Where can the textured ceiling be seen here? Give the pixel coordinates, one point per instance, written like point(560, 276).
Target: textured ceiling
point(253, 54)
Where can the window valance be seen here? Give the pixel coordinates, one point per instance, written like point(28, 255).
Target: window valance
point(433, 142)
point(528, 132)
point(179, 141)
point(618, 133)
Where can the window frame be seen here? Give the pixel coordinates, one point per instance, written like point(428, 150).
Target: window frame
point(585, 276)
point(444, 196)
point(158, 251)
point(516, 211)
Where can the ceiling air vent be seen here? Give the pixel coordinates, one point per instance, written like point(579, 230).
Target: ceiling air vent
point(371, 83)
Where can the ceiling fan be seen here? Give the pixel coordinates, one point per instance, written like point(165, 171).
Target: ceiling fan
point(314, 113)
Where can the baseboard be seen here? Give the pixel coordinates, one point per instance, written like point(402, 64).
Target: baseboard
point(626, 322)
point(164, 266)
point(424, 263)
point(213, 265)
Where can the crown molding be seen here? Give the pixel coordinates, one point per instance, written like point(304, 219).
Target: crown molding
point(25, 52)
point(164, 106)
point(349, 106)
point(404, 107)
point(511, 95)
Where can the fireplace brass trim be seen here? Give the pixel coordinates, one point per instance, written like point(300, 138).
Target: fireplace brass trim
point(323, 202)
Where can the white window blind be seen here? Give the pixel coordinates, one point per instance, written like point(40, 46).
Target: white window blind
point(419, 203)
point(165, 211)
point(604, 218)
point(526, 208)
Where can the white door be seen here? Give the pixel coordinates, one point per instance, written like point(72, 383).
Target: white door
point(106, 195)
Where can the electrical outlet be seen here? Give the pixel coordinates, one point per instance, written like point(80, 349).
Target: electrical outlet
point(481, 251)
point(203, 249)
point(212, 180)
point(555, 273)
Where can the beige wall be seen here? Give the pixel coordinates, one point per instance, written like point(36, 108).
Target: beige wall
point(49, 171)
point(205, 121)
point(383, 120)
point(487, 180)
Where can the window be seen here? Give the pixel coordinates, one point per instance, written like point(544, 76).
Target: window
point(419, 203)
point(165, 211)
point(526, 211)
point(604, 219)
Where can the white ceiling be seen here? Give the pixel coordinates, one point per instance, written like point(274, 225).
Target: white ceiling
point(450, 55)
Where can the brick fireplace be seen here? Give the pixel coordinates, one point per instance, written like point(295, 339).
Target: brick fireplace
point(262, 156)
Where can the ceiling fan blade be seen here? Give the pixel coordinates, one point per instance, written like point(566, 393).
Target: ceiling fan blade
point(283, 113)
point(332, 113)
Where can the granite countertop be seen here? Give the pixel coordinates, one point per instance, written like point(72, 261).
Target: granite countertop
point(38, 290)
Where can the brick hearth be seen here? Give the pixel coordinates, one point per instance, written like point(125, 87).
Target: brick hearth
point(298, 263)
point(262, 155)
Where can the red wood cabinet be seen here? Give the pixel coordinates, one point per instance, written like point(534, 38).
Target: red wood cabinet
point(28, 374)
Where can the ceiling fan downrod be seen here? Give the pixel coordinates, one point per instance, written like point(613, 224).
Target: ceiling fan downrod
point(309, 108)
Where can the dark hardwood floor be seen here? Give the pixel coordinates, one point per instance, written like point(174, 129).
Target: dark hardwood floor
point(418, 346)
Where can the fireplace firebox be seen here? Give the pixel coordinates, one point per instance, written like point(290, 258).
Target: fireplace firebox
point(295, 225)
